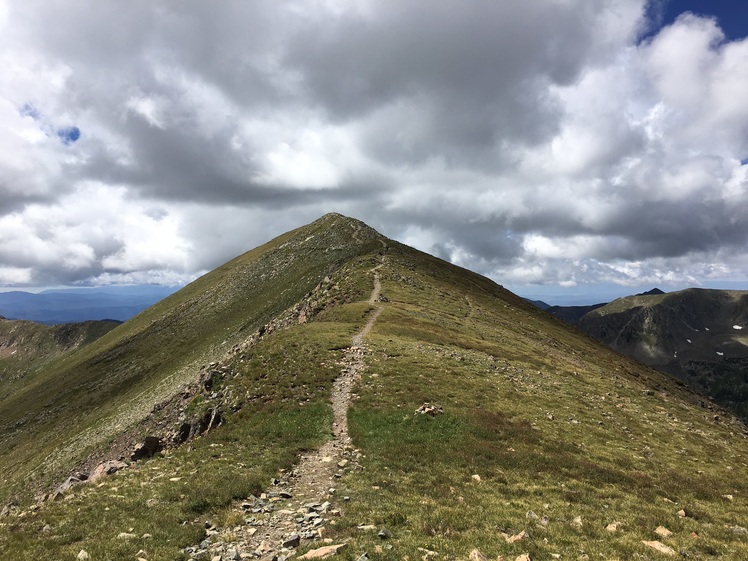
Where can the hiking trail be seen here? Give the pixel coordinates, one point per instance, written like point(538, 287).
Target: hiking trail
point(295, 509)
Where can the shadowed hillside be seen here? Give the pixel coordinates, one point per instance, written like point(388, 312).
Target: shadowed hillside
point(698, 335)
point(474, 422)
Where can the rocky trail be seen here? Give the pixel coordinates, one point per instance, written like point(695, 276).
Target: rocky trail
point(298, 506)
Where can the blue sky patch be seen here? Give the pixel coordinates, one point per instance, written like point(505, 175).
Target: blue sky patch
point(68, 135)
point(28, 110)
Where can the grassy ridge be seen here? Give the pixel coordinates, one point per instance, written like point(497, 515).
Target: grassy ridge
point(282, 384)
point(168, 498)
point(87, 397)
point(544, 431)
point(565, 436)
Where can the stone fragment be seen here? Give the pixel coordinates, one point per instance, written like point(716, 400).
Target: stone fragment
point(523, 557)
point(659, 546)
point(83, 555)
point(429, 409)
point(475, 477)
point(325, 551)
point(427, 553)
point(477, 555)
point(663, 532)
point(612, 527)
point(106, 468)
point(67, 484)
point(292, 541)
point(126, 536)
point(682, 513)
point(516, 537)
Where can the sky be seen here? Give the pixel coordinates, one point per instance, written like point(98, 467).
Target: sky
point(564, 148)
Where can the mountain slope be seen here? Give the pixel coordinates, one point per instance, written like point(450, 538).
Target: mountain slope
point(695, 334)
point(89, 396)
point(26, 347)
point(535, 430)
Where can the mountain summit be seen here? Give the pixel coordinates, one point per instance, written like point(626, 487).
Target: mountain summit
point(336, 392)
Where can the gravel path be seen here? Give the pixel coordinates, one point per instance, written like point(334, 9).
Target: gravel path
point(296, 508)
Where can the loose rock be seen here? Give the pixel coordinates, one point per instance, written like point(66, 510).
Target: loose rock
point(292, 541)
point(477, 555)
point(429, 409)
point(659, 546)
point(106, 468)
point(325, 551)
point(515, 538)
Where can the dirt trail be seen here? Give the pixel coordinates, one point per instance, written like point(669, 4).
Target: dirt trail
point(296, 508)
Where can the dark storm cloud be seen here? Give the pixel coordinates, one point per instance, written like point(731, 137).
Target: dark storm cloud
point(453, 79)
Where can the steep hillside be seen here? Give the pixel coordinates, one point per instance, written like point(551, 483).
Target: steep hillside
point(408, 409)
point(698, 335)
point(87, 397)
point(26, 347)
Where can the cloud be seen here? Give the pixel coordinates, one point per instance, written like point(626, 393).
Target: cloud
point(564, 142)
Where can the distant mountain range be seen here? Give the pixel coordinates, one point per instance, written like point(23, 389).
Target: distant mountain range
point(698, 335)
point(53, 307)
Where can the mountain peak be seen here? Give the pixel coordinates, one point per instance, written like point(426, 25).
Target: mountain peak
point(653, 292)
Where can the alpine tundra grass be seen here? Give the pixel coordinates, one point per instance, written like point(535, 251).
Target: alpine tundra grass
point(544, 442)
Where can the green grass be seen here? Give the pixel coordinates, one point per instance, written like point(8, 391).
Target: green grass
point(558, 429)
point(26, 347)
point(283, 384)
point(83, 400)
point(552, 423)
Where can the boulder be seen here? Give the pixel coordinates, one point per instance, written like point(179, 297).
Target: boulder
point(150, 446)
point(106, 468)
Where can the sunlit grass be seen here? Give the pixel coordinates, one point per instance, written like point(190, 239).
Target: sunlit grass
point(543, 431)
